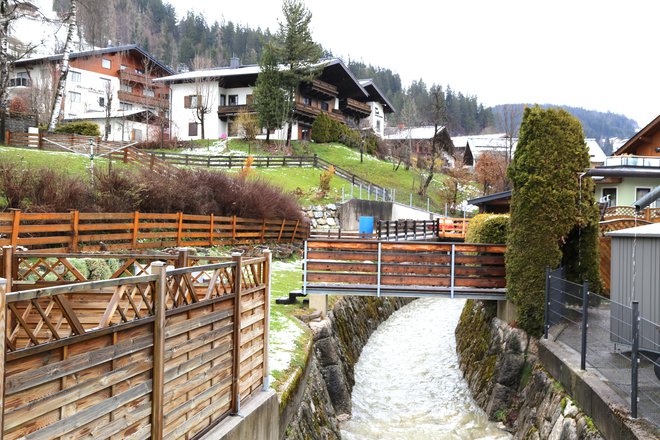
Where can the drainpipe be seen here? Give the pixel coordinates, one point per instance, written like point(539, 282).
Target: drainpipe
point(647, 199)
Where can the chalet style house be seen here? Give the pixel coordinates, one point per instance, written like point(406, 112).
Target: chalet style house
point(632, 171)
point(114, 85)
point(218, 96)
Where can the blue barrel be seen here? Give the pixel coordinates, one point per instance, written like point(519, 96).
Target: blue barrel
point(366, 226)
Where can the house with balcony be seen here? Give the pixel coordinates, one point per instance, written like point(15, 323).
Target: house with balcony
point(113, 84)
point(215, 97)
point(632, 171)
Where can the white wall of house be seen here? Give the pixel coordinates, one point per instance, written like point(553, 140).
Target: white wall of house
point(182, 117)
point(377, 118)
point(122, 130)
point(85, 92)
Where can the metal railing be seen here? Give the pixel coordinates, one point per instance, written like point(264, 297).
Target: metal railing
point(611, 338)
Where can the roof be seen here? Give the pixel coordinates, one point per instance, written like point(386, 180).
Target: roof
point(374, 92)
point(646, 231)
point(629, 147)
point(421, 133)
point(490, 198)
point(214, 73)
point(624, 171)
point(493, 143)
point(128, 114)
point(596, 153)
point(88, 53)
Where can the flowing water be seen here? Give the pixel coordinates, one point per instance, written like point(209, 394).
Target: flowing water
point(408, 384)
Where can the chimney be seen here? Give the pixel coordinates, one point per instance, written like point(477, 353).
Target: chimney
point(109, 43)
point(234, 62)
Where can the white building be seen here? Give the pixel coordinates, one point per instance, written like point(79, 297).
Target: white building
point(225, 92)
point(113, 84)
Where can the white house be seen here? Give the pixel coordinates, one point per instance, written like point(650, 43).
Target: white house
point(218, 95)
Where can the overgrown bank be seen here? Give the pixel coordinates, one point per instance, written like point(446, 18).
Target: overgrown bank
point(321, 396)
point(500, 364)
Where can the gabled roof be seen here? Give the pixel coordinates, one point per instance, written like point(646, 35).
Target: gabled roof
point(492, 143)
point(490, 198)
point(211, 74)
point(95, 52)
point(376, 95)
point(595, 152)
point(416, 133)
point(630, 146)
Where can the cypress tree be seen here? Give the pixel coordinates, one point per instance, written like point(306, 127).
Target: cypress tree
point(554, 218)
point(269, 95)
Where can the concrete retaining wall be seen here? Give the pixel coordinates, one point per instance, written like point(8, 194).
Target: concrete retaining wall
point(258, 420)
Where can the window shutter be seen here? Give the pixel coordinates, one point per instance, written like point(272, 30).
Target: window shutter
point(186, 101)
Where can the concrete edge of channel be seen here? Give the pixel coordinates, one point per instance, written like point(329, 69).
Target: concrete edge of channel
point(609, 412)
point(258, 419)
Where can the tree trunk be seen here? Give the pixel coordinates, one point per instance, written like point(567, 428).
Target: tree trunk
point(289, 128)
point(4, 65)
point(267, 136)
point(64, 66)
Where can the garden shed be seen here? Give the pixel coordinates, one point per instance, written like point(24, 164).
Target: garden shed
point(636, 277)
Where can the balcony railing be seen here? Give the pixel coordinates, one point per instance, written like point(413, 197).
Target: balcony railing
point(320, 89)
point(312, 112)
point(233, 110)
point(632, 161)
point(149, 101)
point(354, 107)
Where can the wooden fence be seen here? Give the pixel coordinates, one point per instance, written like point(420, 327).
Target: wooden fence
point(77, 231)
point(629, 212)
point(52, 141)
point(165, 355)
point(403, 268)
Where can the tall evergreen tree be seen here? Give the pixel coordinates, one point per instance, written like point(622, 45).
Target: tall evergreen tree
point(297, 51)
point(553, 213)
point(269, 94)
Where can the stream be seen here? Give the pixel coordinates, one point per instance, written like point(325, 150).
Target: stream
point(408, 384)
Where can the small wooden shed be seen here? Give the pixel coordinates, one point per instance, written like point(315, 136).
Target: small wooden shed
point(636, 277)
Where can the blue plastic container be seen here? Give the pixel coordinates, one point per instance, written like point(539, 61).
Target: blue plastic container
point(366, 226)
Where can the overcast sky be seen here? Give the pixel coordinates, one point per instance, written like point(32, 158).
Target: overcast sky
point(600, 55)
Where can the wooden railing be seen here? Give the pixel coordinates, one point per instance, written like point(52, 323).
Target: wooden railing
point(51, 141)
point(198, 160)
point(77, 231)
point(165, 355)
point(403, 268)
point(143, 159)
point(623, 212)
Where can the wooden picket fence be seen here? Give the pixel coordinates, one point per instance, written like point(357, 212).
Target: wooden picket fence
point(92, 231)
point(162, 355)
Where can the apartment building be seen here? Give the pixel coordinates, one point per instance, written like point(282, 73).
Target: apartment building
point(113, 86)
point(218, 95)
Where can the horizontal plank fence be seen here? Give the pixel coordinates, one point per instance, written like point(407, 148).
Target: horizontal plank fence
point(82, 231)
point(404, 268)
point(64, 142)
point(164, 355)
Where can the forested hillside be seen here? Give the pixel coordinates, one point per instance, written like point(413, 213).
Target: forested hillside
point(155, 26)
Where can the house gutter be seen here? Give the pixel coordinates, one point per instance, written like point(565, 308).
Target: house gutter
point(623, 172)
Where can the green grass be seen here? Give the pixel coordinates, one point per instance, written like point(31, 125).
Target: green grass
point(70, 163)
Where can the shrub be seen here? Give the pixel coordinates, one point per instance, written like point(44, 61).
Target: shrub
point(488, 228)
point(247, 166)
point(118, 191)
point(326, 177)
point(84, 128)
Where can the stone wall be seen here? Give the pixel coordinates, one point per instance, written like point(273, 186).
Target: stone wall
point(325, 394)
point(20, 122)
point(500, 364)
point(323, 217)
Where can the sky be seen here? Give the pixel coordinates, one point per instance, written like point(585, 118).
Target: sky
point(600, 55)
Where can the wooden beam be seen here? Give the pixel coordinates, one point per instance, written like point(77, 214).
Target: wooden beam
point(236, 352)
point(158, 386)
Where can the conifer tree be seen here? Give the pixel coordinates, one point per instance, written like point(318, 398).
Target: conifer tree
point(297, 51)
point(269, 94)
point(553, 214)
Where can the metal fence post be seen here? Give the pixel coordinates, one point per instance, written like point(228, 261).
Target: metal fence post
point(585, 324)
point(546, 323)
point(453, 259)
point(635, 359)
point(304, 286)
point(379, 263)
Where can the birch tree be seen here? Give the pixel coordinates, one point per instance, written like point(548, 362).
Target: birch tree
point(202, 104)
point(64, 66)
point(440, 142)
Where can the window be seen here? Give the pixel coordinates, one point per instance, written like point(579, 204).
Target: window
point(20, 79)
point(233, 99)
point(148, 92)
point(126, 88)
point(192, 129)
point(74, 76)
point(122, 67)
point(249, 99)
point(101, 101)
point(307, 100)
point(106, 85)
point(125, 106)
point(378, 126)
point(609, 196)
point(324, 106)
point(641, 192)
point(75, 97)
point(223, 100)
point(192, 101)
point(106, 63)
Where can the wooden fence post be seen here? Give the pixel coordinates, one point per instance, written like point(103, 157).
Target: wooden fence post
point(236, 351)
point(211, 227)
point(279, 237)
point(266, 274)
point(3, 348)
point(136, 229)
point(263, 231)
point(16, 222)
point(75, 218)
point(158, 382)
point(293, 236)
point(8, 142)
point(179, 228)
point(182, 260)
point(233, 229)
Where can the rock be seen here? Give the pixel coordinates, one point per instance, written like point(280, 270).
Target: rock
point(570, 410)
point(318, 214)
point(564, 429)
point(508, 369)
point(322, 329)
point(331, 207)
point(338, 390)
point(314, 224)
point(322, 221)
point(331, 221)
point(500, 399)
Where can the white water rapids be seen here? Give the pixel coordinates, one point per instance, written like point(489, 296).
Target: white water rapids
point(408, 384)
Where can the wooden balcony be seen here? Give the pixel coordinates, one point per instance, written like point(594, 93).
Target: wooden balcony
point(225, 111)
point(309, 113)
point(354, 108)
point(148, 101)
point(319, 89)
point(136, 78)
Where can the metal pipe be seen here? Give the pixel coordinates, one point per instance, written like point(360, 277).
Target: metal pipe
point(379, 262)
point(305, 267)
point(453, 260)
point(634, 359)
point(546, 324)
point(585, 325)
